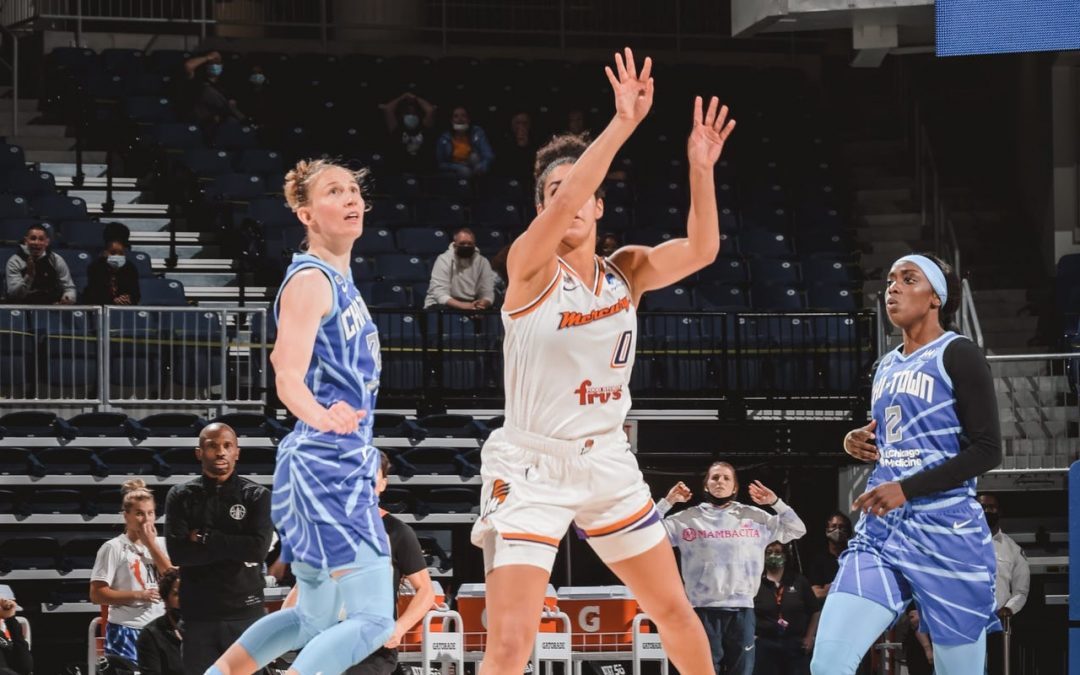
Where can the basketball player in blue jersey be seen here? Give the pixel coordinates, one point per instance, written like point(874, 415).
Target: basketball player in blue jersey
point(571, 322)
point(922, 535)
point(324, 505)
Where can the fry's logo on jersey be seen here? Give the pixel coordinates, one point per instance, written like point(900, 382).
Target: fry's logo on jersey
point(572, 319)
point(500, 490)
point(588, 394)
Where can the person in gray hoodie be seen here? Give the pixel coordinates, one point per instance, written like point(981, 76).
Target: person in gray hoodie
point(461, 278)
point(721, 543)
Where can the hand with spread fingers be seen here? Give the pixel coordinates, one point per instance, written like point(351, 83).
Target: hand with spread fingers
point(762, 495)
point(881, 499)
point(710, 131)
point(633, 90)
point(861, 443)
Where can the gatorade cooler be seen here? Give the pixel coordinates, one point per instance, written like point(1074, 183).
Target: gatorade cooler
point(470, 603)
point(410, 642)
point(601, 617)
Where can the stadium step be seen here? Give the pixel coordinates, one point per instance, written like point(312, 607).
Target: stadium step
point(39, 156)
point(32, 142)
point(63, 170)
point(868, 234)
point(143, 224)
point(28, 132)
point(92, 195)
point(185, 252)
point(889, 220)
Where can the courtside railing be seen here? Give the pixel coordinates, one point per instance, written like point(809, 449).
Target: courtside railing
point(105, 356)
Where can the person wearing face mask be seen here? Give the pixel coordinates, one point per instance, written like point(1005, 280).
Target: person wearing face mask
point(461, 278)
point(721, 543)
point(15, 657)
point(111, 279)
point(158, 646)
point(37, 276)
point(211, 104)
point(822, 568)
point(786, 612)
point(409, 121)
point(464, 149)
point(1012, 583)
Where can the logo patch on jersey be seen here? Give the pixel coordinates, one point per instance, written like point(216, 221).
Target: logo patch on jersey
point(237, 511)
point(588, 394)
point(568, 282)
point(500, 490)
point(572, 319)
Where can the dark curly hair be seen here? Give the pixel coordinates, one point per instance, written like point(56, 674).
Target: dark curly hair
point(561, 149)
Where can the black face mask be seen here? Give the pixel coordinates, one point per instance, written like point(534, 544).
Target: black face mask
point(992, 520)
point(464, 251)
point(718, 501)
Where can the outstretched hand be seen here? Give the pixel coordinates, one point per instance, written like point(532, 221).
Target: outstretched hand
point(633, 90)
point(710, 132)
point(762, 495)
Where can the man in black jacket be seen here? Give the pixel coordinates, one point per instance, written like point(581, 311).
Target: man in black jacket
point(218, 531)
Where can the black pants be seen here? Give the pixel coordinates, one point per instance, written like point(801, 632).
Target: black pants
point(382, 661)
point(781, 656)
point(995, 658)
point(205, 641)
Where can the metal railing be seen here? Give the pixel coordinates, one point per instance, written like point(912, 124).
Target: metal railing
point(1039, 409)
point(969, 317)
point(107, 356)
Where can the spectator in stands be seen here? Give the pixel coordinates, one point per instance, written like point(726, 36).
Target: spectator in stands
point(498, 268)
point(410, 124)
point(1012, 583)
point(218, 529)
point(126, 571)
point(37, 276)
point(210, 103)
point(15, 657)
point(464, 149)
point(786, 612)
point(823, 567)
point(110, 279)
point(159, 644)
point(461, 278)
point(607, 244)
point(720, 541)
point(517, 154)
point(576, 122)
point(254, 96)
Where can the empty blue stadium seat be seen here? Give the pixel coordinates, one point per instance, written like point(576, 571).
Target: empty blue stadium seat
point(81, 553)
point(719, 296)
point(832, 297)
point(388, 213)
point(375, 241)
point(236, 187)
point(725, 271)
point(142, 263)
point(440, 213)
point(616, 218)
point(388, 294)
point(176, 135)
point(134, 461)
point(402, 268)
point(28, 183)
point(774, 271)
point(78, 261)
point(824, 270)
point(398, 187)
point(30, 553)
point(776, 297)
point(454, 188)
point(207, 162)
point(764, 243)
point(264, 162)
point(669, 299)
point(84, 234)
point(423, 241)
point(149, 109)
point(11, 157)
point(233, 135)
point(497, 213)
point(162, 292)
point(69, 461)
point(59, 207)
point(14, 206)
point(273, 213)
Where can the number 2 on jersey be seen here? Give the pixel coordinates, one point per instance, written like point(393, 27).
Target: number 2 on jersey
point(621, 356)
point(893, 432)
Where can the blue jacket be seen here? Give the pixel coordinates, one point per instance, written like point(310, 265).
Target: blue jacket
point(481, 148)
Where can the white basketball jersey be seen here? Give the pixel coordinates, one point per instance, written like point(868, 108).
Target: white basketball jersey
point(569, 354)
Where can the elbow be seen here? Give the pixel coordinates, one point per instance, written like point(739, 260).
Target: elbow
point(96, 597)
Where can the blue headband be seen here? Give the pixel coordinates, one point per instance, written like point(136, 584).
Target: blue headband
point(932, 273)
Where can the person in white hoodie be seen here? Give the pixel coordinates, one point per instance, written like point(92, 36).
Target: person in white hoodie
point(721, 543)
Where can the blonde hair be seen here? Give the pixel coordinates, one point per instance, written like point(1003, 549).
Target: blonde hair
point(135, 490)
point(299, 180)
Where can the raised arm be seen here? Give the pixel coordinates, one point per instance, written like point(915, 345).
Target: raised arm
point(531, 262)
point(305, 302)
point(652, 267)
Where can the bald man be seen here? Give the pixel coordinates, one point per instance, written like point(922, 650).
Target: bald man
point(219, 527)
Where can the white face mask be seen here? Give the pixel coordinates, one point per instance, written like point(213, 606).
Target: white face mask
point(461, 127)
point(116, 261)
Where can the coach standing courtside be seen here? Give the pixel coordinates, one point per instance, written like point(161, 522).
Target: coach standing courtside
point(218, 532)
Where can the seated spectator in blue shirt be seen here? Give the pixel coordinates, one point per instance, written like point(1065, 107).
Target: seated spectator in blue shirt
point(464, 149)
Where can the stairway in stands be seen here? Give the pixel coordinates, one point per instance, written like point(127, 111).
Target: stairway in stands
point(206, 271)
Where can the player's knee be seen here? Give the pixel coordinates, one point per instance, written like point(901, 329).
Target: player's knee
point(672, 614)
point(833, 657)
point(509, 646)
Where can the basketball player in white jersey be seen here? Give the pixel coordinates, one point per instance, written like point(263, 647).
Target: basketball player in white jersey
point(571, 327)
